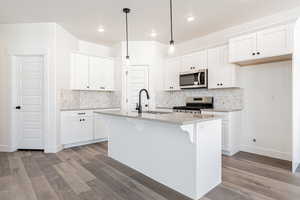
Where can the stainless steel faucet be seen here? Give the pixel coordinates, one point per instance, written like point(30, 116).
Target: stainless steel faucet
point(139, 105)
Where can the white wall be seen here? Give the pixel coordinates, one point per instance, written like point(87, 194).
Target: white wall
point(24, 37)
point(147, 53)
point(267, 114)
point(95, 49)
point(296, 97)
point(65, 43)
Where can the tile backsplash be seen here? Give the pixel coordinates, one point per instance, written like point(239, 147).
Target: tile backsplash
point(72, 99)
point(223, 98)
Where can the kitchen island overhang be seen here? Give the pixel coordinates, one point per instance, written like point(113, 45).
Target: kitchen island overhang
point(179, 150)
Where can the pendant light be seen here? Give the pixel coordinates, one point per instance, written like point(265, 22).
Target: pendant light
point(172, 43)
point(126, 11)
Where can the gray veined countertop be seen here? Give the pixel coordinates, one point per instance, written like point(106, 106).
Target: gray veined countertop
point(89, 108)
point(172, 117)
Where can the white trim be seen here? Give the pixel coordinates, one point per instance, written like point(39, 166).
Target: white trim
point(267, 152)
point(5, 148)
point(124, 83)
point(12, 54)
point(83, 143)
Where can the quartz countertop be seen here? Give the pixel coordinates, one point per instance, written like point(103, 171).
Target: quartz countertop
point(94, 108)
point(172, 117)
point(221, 110)
point(209, 110)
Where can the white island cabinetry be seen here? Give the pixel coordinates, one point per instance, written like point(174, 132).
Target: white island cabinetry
point(179, 150)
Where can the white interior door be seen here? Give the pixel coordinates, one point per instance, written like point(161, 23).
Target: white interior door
point(136, 79)
point(30, 72)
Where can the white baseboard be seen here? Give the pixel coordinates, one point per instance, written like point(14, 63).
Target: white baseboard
point(83, 143)
point(5, 148)
point(266, 152)
point(230, 151)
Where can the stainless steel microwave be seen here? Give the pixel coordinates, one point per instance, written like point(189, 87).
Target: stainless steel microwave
point(193, 79)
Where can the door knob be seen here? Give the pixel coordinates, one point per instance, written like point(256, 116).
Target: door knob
point(18, 107)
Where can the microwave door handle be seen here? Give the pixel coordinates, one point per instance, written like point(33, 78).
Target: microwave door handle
point(199, 78)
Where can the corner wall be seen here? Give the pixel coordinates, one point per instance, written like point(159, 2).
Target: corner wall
point(296, 98)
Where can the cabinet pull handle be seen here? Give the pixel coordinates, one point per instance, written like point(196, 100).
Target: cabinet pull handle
point(83, 113)
point(258, 53)
point(253, 54)
point(87, 86)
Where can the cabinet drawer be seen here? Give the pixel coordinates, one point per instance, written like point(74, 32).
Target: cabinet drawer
point(81, 113)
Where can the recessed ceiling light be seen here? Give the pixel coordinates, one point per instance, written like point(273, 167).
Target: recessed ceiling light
point(190, 18)
point(101, 29)
point(153, 34)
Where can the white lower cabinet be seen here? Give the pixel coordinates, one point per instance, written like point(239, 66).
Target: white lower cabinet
point(231, 131)
point(82, 127)
point(76, 126)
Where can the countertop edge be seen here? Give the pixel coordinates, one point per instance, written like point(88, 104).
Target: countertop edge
point(160, 120)
point(99, 108)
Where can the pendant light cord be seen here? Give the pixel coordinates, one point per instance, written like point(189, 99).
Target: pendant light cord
point(171, 18)
point(127, 49)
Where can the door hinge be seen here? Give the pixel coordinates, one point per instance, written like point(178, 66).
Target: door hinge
point(126, 72)
point(126, 100)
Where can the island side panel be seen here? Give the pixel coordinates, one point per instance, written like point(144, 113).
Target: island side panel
point(161, 151)
point(209, 156)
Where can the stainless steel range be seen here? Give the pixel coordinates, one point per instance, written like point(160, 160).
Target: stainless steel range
point(195, 104)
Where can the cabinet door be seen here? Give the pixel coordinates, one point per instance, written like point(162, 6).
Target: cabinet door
point(242, 48)
point(194, 61)
point(221, 74)
point(273, 42)
point(97, 73)
point(109, 74)
point(80, 72)
point(172, 67)
point(76, 129)
point(101, 130)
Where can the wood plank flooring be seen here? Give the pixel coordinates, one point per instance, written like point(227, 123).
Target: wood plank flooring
point(86, 173)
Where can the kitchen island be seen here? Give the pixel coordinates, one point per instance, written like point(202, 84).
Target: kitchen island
point(179, 150)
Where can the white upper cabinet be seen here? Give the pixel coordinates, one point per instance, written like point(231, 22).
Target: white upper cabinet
point(101, 73)
point(80, 73)
point(268, 45)
point(172, 68)
point(92, 73)
point(242, 48)
point(221, 74)
point(274, 42)
point(109, 74)
point(96, 72)
point(194, 61)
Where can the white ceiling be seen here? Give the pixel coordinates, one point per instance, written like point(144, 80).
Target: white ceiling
point(83, 17)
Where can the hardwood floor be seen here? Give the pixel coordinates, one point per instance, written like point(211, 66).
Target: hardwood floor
point(86, 173)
